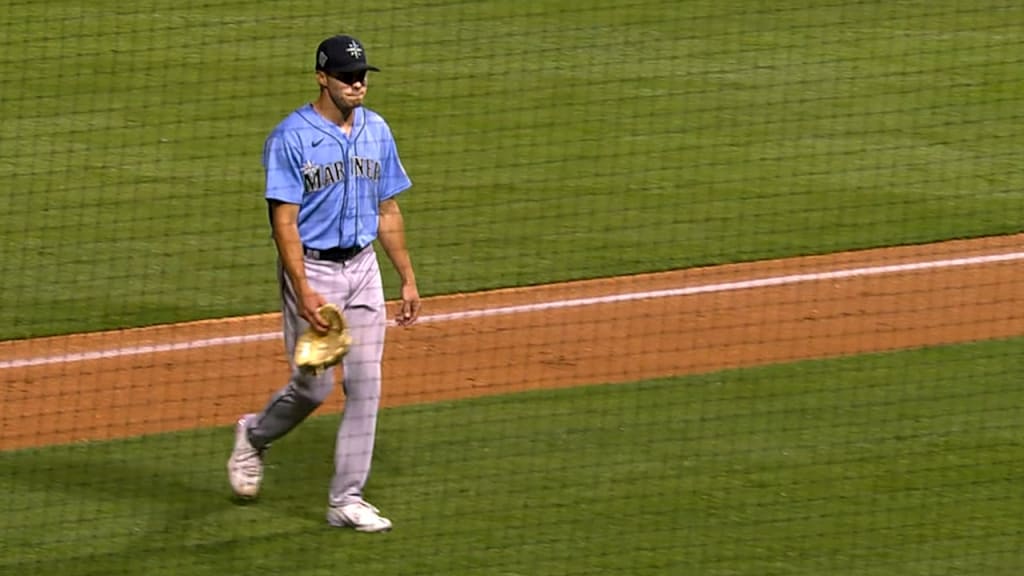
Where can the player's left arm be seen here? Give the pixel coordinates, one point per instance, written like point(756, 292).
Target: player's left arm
point(391, 234)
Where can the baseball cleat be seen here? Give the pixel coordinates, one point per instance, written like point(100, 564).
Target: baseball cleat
point(361, 516)
point(245, 466)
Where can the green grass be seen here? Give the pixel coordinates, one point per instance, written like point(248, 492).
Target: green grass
point(902, 463)
point(546, 141)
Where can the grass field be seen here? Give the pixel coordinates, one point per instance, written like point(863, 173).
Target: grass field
point(547, 141)
point(903, 463)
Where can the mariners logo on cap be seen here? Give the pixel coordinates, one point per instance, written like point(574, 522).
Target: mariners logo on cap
point(354, 49)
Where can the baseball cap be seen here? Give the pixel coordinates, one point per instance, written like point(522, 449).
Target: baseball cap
point(342, 53)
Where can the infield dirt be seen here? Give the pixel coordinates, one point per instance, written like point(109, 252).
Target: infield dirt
point(110, 385)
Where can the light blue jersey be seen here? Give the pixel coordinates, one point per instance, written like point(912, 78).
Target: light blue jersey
point(338, 181)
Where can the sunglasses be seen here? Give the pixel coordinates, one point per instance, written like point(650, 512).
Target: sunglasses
point(350, 78)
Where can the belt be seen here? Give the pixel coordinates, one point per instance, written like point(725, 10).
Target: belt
point(333, 254)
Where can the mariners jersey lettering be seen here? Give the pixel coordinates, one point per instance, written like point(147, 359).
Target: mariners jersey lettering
point(337, 180)
point(316, 177)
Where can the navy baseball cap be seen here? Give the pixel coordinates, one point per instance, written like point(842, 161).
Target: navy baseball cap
point(342, 53)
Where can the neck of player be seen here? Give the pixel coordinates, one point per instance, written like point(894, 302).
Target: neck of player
point(342, 116)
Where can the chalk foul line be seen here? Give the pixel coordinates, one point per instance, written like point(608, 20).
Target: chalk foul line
point(541, 306)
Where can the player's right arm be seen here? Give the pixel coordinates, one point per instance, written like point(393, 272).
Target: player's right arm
point(284, 222)
point(284, 195)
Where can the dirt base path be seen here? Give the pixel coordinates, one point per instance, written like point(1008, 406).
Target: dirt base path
point(128, 382)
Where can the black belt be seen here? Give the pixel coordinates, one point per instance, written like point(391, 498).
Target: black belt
point(333, 254)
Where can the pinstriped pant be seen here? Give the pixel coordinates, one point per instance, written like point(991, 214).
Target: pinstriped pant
point(356, 287)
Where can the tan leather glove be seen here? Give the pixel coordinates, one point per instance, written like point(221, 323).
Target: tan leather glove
point(316, 352)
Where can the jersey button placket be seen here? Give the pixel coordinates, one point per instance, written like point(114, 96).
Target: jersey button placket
point(343, 208)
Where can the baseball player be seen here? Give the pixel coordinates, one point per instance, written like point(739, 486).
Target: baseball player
point(332, 174)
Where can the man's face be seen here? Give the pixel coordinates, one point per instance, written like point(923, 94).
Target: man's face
point(347, 89)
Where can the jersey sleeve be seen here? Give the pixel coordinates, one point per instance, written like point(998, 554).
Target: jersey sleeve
point(393, 177)
point(282, 162)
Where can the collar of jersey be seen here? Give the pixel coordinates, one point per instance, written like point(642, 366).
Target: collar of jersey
point(316, 118)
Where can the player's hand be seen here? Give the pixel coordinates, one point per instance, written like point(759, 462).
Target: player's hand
point(410, 309)
point(309, 302)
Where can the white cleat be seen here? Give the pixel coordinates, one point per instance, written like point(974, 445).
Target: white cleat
point(245, 467)
point(361, 515)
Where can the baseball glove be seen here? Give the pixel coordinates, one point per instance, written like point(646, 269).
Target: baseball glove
point(316, 352)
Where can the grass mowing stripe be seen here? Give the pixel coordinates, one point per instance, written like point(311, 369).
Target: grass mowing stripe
point(889, 463)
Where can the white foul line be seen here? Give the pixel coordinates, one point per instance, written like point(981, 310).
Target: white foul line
point(540, 306)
